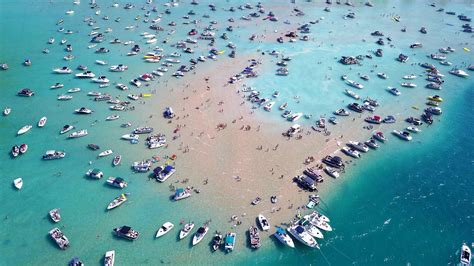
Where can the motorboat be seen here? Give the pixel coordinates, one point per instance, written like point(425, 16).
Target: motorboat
point(62, 70)
point(117, 107)
point(379, 136)
point(310, 228)
point(133, 97)
point(105, 153)
point(118, 68)
point(122, 86)
point(371, 143)
point(352, 94)
point(135, 82)
point(408, 85)
point(182, 193)
point(130, 137)
point(217, 241)
point(55, 215)
point(78, 134)
point(101, 62)
point(186, 230)
point(117, 182)
point(341, 112)
point(23, 148)
point(301, 235)
point(355, 107)
point(333, 172)
point(283, 237)
point(459, 73)
point(263, 222)
point(294, 117)
point(410, 77)
point(112, 117)
point(405, 135)
point(15, 151)
point(351, 152)
point(101, 79)
point(109, 258)
point(126, 232)
point(165, 228)
point(61, 240)
point(52, 154)
point(26, 92)
point(74, 90)
point(42, 121)
point(64, 97)
point(255, 241)
point(24, 129)
point(390, 119)
point(95, 173)
point(268, 106)
point(57, 85)
point(465, 255)
point(435, 98)
point(141, 166)
point(200, 233)
point(83, 110)
point(7, 111)
point(354, 84)
point(382, 75)
point(394, 91)
point(117, 202)
point(373, 120)
point(143, 130)
point(165, 173)
point(334, 161)
point(358, 146)
point(229, 242)
point(413, 129)
point(434, 110)
point(18, 183)
point(66, 128)
point(85, 75)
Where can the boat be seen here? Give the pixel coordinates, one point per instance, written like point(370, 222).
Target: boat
point(83, 110)
point(126, 232)
point(143, 130)
point(263, 222)
point(408, 85)
point(18, 183)
point(371, 143)
point(394, 91)
point(42, 121)
point(341, 112)
point(118, 68)
point(229, 242)
point(354, 84)
point(62, 70)
point(26, 92)
point(334, 161)
point(109, 258)
point(15, 151)
point(283, 237)
point(165, 173)
point(117, 107)
point(112, 117)
point(61, 240)
point(352, 94)
point(117, 202)
point(405, 135)
point(379, 136)
point(57, 86)
point(358, 146)
point(382, 75)
point(23, 148)
point(435, 98)
point(74, 90)
point(459, 73)
point(52, 154)
point(294, 117)
point(351, 152)
point(86, 74)
point(413, 129)
point(66, 128)
point(181, 194)
point(101, 79)
point(268, 106)
point(95, 173)
point(355, 107)
point(186, 230)
point(116, 160)
point(310, 228)
point(64, 97)
point(199, 235)
point(75, 262)
point(101, 62)
point(373, 120)
point(78, 134)
point(332, 171)
point(131, 137)
point(135, 82)
point(254, 237)
point(409, 77)
point(465, 255)
point(24, 129)
point(298, 232)
point(105, 153)
point(142, 166)
point(55, 215)
point(165, 228)
point(7, 111)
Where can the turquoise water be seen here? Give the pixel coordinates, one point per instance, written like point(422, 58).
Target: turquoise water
point(409, 203)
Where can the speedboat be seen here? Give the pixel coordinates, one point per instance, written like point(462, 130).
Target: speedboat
point(78, 134)
point(118, 68)
point(413, 129)
point(117, 107)
point(18, 183)
point(409, 77)
point(352, 94)
point(371, 143)
point(86, 74)
point(117, 182)
point(229, 242)
point(130, 137)
point(263, 222)
point(165, 228)
point(26, 92)
point(105, 153)
point(101, 62)
point(382, 75)
point(42, 121)
point(332, 171)
point(310, 228)
point(351, 152)
point(459, 73)
point(405, 135)
point(101, 79)
point(61, 240)
point(83, 110)
point(122, 86)
point(23, 148)
point(74, 90)
point(354, 84)
point(199, 235)
point(24, 129)
point(7, 111)
point(373, 120)
point(408, 85)
point(57, 86)
point(135, 82)
point(142, 166)
point(435, 98)
point(55, 215)
point(341, 112)
point(283, 237)
point(143, 130)
point(268, 106)
point(63, 70)
point(133, 97)
point(52, 154)
point(186, 230)
point(117, 202)
point(126, 232)
point(294, 117)
point(380, 136)
point(394, 91)
point(358, 146)
point(66, 128)
point(465, 255)
point(355, 107)
point(95, 173)
point(112, 117)
point(64, 97)
point(109, 259)
point(217, 241)
point(15, 151)
point(181, 193)
point(301, 235)
point(164, 174)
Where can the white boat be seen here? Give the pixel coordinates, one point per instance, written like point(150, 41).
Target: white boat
point(24, 129)
point(117, 107)
point(186, 230)
point(109, 259)
point(332, 172)
point(135, 82)
point(105, 153)
point(229, 242)
point(294, 117)
point(83, 110)
point(74, 90)
point(268, 106)
point(182, 193)
point(62, 70)
point(465, 255)
point(410, 77)
point(42, 121)
point(55, 215)
point(64, 97)
point(263, 222)
point(405, 135)
point(358, 146)
point(85, 75)
point(57, 86)
point(133, 97)
point(283, 237)
point(53, 154)
point(101, 62)
point(118, 68)
point(301, 235)
point(66, 128)
point(117, 182)
point(408, 85)
point(78, 134)
point(117, 202)
point(459, 73)
point(18, 183)
point(199, 235)
point(351, 152)
point(95, 173)
point(352, 94)
point(121, 86)
point(165, 228)
point(354, 84)
point(413, 129)
point(382, 75)
point(7, 111)
point(394, 91)
point(70, 12)
point(112, 117)
point(101, 79)
point(61, 240)
point(130, 137)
